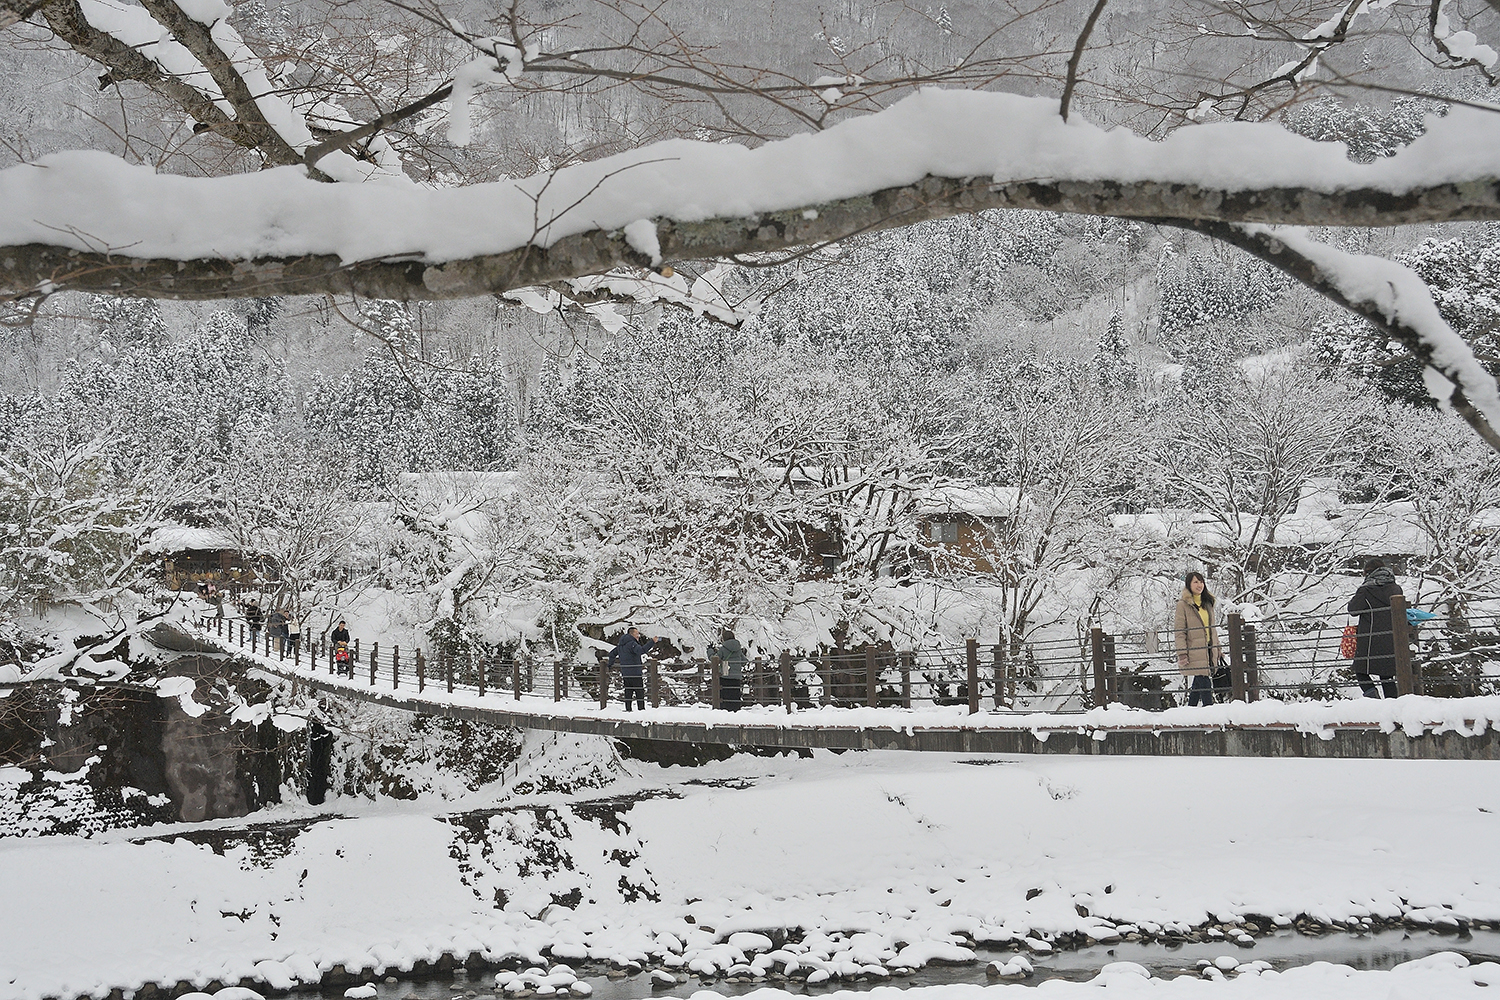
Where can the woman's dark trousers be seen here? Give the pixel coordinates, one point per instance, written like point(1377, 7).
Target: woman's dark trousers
point(1202, 691)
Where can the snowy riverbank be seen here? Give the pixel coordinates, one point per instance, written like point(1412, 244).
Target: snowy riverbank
point(839, 862)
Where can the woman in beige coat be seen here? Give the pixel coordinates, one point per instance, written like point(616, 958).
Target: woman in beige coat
point(1197, 639)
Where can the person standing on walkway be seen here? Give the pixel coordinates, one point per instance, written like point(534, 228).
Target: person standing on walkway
point(276, 626)
point(254, 618)
point(731, 671)
point(630, 653)
point(1375, 637)
point(294, 630)
point(342, 656)
point(1197, 639)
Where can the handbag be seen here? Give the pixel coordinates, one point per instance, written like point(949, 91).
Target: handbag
point(1349, 643)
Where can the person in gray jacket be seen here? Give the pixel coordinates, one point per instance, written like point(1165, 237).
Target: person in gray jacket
point(731, 671)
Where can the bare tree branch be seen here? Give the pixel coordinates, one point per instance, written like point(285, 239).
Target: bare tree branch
point(1078, 47)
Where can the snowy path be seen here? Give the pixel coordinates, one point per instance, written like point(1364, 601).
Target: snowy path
point(886, 857)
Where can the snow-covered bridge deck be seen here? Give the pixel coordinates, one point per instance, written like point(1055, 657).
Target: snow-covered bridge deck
point(1410, 727)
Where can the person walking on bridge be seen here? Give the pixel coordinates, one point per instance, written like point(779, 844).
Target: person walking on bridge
point(1375, 637)
point(1197, 639)
point(731, 671)
point(630, 653)
point(254, 618)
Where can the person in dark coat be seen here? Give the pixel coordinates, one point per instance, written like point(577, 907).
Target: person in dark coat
point(629, 653)
point(1375, 642)
point(731, 671)
point(254, 618)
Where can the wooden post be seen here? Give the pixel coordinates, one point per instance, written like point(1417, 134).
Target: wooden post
point(421, 672)
point(355, 658)
point(872, 692)
point(1111, 673)
point(603, 683)
point(907, 656)
point(786, 680)
point(1096, 641)
point(1407, 682)
point(374, 655)
point(653, 682)
point(556, 680)
point(331, 667)
point(827, 697)
point(219, 626)
point(448, 662)
point(714, 699)
point(297, 652)
point(971, 659)
point(482, 672)
point(515, 676)
point(1247, 658)
point(997, 652)
point(395, 668)
point(1236, 659)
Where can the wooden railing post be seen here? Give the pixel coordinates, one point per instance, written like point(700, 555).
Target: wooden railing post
point(653, 683)
point(482, 671)
point(395, 668)
point(715, 699)
point(297, 652)
point(872, 694)
point(1407, 682)
point(331, 667)
point(1236, 659)
point(421, 672)
point(1248, 661)
point(1096, 641)
point(374, 656)
point(997, 652)
point(971, 659)
point(786, 680)
point(356, 651)
point(603, 683)
point(556, 679)
point(515, 676)
point(447, 659)
point(827, 671)
point(907, 657)
point(1111, 671)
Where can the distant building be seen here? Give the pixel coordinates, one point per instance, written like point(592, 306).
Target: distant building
point(190, 556)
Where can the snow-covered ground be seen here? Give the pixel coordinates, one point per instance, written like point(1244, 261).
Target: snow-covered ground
point(879, 858)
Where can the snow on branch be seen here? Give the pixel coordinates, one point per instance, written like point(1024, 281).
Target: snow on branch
point(1463, 48)
point(87, 220)
point(1392, 297)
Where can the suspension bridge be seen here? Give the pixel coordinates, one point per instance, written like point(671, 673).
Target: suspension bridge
point(966, 699)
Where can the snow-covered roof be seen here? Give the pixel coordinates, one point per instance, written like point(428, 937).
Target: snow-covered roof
point(181, 538)
point(976, 501)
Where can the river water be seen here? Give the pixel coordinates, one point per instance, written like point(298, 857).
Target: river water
point(1283, 950)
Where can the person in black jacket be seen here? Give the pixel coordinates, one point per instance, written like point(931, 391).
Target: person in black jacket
point(254, 618)
point(1375, 641)
point(629, 653)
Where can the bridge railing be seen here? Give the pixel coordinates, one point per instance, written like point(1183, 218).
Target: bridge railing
point(1289, 658)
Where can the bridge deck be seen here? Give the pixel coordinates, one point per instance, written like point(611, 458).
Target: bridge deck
point(1411, 727)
